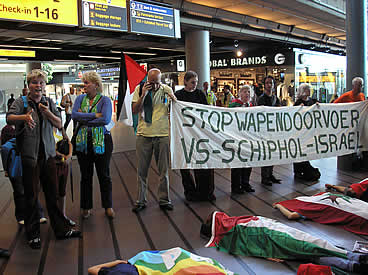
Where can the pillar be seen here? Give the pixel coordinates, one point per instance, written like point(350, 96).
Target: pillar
point(356, 42)
point(197, 52)
point(356, 57)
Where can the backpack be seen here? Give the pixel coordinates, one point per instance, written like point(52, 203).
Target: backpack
point(12, 162)
point(10, 156)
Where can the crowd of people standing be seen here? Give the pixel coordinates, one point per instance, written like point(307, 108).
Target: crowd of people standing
point(45, 163)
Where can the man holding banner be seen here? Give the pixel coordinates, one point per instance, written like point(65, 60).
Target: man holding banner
point(268, 99)
point(151, 102)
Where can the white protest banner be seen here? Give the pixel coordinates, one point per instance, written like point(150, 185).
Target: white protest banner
point(213, 137)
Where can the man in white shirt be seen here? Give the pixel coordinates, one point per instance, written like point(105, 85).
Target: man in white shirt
point(67, 103)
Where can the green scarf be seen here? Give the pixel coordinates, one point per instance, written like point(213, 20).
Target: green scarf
point(98, 137)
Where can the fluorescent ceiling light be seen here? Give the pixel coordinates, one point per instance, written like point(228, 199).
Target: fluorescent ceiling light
point(30, 47)
point(43, 39)
point(135, 53)
point(165, 49)
point(99, 57)
point(140, 53)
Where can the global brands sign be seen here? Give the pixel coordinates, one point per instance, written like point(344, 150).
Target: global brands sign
point(255, 60)
point(234, 62)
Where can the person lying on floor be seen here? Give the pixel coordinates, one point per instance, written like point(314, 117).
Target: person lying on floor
point(329, 208)
point(267, 238)
point(356, 190)
point(172, 261)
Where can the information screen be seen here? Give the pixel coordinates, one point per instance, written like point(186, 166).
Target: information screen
point(152, 19)
point(105, 14)
point(61, 12)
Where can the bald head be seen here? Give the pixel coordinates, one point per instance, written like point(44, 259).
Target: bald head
point(154, 76)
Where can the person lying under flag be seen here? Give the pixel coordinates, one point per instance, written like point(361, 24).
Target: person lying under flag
point(356, 190)
point(172, 261)
point(342, 210)
point(267, 238)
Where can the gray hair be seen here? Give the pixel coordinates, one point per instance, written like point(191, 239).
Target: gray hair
point(246, 86)
point(357, 79)
point(301, 90)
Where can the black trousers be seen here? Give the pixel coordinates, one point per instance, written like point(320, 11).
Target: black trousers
point(203, 186)
point(20, 200)
point(43, 171)
point(266, 172)
point(68, 117)
point(240, 177)
point(102, 164)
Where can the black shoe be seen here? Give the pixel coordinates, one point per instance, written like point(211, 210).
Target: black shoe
point(192, 197)
point(267, 182)
point(4, 253)
point(237, 191)
point(274, 180)
point(138, 208)
point(363, 259)
point(71, 234)
point(168, 207)
point(35, 243)
point(71, 222)
point(248, 188)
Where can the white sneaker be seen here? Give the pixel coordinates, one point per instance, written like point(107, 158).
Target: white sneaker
point(21, 222)
point(43, 220)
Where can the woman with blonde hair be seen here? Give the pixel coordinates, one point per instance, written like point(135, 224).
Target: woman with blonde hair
point(92, 111)
point(35, 117)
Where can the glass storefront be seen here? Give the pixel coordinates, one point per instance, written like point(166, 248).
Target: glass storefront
point(324, 72)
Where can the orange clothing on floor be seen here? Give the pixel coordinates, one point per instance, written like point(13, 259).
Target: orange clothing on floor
point(349, 97)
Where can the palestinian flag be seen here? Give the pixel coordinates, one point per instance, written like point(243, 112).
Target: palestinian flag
point(263, 237)
point(131, 74)
point(176, 261)
point(328, 208)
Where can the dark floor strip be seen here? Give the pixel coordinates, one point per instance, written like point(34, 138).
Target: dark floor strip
point(11, 248)
point(114, 240)
point(45, 249)
point(80, 249)
point(176, 228)
point(141, 223)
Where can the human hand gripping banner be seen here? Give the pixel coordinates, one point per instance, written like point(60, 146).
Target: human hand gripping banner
point(215, 137)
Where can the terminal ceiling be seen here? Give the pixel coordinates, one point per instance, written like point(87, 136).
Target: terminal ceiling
point(267, 23)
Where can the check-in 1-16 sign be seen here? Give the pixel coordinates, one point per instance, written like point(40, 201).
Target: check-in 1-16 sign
point(105, 14)
point(60, 12)
point(152, 19)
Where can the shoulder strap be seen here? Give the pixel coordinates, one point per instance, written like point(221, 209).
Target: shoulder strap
point(25, 102)
point(95, 104)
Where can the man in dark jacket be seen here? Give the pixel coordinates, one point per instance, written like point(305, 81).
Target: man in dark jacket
point(268, 99)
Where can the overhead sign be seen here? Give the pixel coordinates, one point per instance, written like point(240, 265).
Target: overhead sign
point(61, 12)
point(17, 53)
point(152, 19)
point(105, 14)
